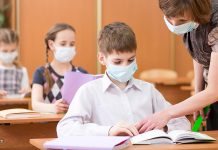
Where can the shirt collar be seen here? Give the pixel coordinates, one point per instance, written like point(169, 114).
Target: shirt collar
point(132, 83)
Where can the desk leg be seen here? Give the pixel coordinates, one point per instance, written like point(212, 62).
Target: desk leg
point(16, 136)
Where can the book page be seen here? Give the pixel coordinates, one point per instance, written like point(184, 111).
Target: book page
point(153, 134)
point(188, 136)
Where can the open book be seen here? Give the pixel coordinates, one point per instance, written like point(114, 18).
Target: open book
point(176, 136)
point(18, 113)
point(89, 142)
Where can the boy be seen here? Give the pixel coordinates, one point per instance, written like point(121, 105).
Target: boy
point(112, 105)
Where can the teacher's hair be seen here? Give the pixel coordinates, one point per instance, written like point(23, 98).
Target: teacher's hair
point(200, 10)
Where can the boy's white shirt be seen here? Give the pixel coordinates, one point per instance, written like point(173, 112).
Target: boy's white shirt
point(100, 104)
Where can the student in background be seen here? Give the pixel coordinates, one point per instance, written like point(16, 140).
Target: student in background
point(14, 81)
point(48, 79)
point(110, 106)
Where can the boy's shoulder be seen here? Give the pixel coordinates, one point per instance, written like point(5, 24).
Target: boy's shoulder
point(143, 84)
point(93, 84)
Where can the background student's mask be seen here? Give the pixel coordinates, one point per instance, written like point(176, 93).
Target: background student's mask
point(8, 57)
point(181, 29)
point(122, 73)
point(64, 54)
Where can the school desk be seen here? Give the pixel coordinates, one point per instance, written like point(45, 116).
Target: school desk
point(15, 103)
point(171, 88)
point(15, 133)
point(38, 143)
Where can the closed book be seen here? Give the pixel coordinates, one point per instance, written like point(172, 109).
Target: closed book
point(18, 113)
point(89, 143)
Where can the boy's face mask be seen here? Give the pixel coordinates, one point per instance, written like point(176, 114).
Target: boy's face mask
point(181, 29)
point(121, 73)
point(8, 57)
point(64, 54)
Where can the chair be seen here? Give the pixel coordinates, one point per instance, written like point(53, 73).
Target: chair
point(190, 74)
point(158, 75)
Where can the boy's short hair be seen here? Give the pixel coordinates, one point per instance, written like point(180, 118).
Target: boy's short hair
point(118, 37)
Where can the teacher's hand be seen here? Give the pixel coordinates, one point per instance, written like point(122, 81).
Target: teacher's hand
point(155, 121)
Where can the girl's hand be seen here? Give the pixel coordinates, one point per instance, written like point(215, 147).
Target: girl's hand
point(201, 112)
point(24, 90)
point(123, 129)
point(61, 106)
point(3, 93)
point(155, 121)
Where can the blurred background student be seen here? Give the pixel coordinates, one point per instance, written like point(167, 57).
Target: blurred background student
point(48, 79)
point(14, 81)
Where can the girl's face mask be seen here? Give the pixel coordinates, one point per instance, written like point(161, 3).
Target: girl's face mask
point(64, 54)
point(8, 57)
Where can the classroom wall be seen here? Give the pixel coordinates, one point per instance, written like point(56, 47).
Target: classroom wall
point(37, 16)
point(144, 16)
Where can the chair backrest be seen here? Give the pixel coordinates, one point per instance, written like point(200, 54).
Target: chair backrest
point(190, 74)
point(158, 74)
point(73, 81)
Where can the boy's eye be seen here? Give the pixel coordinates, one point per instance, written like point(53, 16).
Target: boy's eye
point(4, 51)
point(72, 44)
point(131, 60)
point(117, 62)
point(62, 44)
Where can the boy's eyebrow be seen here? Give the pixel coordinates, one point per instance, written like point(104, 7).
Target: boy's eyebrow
point(122, 59)
point(132, 57)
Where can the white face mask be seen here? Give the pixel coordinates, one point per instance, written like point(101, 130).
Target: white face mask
point(64, 54)
point(122, 73)
point(181, 29)
point(8, 57)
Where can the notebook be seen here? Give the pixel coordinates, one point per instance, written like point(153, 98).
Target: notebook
point(89, 143)
point(72, 82)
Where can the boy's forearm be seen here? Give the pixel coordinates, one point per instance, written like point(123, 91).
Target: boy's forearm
point(69, 126)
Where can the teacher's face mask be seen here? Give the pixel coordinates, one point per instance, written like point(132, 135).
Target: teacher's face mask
point(183, 28)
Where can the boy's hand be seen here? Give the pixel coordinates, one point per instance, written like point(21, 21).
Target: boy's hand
point(123, 129)
point(3, 93)
point(61, 106)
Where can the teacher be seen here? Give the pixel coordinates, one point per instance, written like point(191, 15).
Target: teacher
point(197, 21)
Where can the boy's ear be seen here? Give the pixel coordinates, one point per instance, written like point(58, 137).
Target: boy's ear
point(101, 58)
point(51, 45)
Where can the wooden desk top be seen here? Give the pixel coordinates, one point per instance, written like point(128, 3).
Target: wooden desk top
point(42, 118)
point(203, 146)
point(4, 101)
